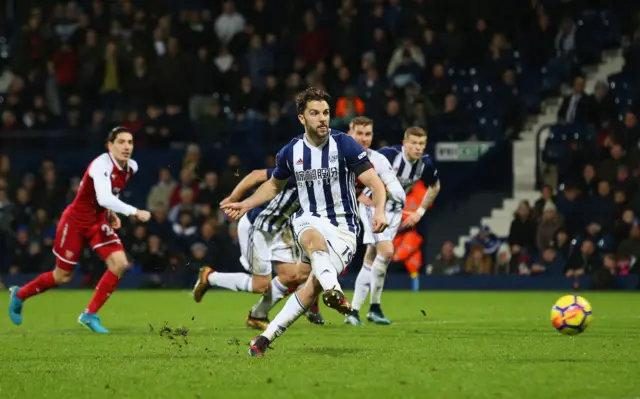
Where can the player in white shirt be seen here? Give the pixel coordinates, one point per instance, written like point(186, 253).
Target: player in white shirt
point(325, 164)
point(379, 245)
point(409, 164)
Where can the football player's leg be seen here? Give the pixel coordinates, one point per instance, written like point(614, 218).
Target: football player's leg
point(315, 248)
point(66, 248)
point(362, 286)
point(378, 275)
point(295, 306)
point(363, 280)
point(254, 259)
point(313, 314)
point(62, 274)
point(329, 250)
point(385, 250)
point(117, 264)
point(258, 284)
point(287, 276)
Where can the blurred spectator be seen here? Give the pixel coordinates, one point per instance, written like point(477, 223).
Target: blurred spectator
point(550, 263)
point(585, 260)
point(478, 261)
point(571, 205)
point(229, 23)
point(565, 42)
point(604, 113)
point(186, 204)
point(446, 261)
point(576, 108)
point(549, 224)
point(187, 180)
point(313, 44)
point(608, 168)
point(487, 240)
point(209, 193)
point(161, 192)
point(589, 181)
point(546, 195)
point(503, 260)
point(630, 247)
point(522, 234)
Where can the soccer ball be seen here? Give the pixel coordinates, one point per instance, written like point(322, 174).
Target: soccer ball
point(571, 314)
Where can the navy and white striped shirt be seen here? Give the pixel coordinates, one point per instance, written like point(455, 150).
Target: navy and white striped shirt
point(325, 177)
point(410, 172)
point(275, 214)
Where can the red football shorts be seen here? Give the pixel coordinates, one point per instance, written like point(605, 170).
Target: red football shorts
point(70, 240)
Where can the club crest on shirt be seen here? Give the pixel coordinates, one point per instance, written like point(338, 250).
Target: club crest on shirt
point(333, 156)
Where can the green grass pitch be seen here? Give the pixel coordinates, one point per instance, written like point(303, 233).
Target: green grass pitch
point(467, 345)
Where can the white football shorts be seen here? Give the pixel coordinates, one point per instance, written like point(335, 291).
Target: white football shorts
point(393, 219)
point(341, 242)
point(258, 248)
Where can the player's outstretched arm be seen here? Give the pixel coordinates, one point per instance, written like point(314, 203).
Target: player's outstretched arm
point(371, 179)
point(251, 180)
point(266, 192)
point(104, 195)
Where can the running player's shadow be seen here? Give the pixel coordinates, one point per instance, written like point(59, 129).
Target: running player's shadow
point(333, 351)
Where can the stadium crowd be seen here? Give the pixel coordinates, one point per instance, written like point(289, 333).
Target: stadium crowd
point(226, 75)
point(586, 221)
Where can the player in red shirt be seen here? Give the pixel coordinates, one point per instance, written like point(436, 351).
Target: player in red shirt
point(92, 217)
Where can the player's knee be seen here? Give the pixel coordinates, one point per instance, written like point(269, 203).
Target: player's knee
point(370, 254)
point(117, 263)
point(260, 284)
point(62, 276)
point(311, 240)
point(385, 250)
point(288, 274)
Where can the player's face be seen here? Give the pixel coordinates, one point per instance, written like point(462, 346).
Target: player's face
point(122, 147)
point(316, 119)
point(362, 134)
point(414, 147)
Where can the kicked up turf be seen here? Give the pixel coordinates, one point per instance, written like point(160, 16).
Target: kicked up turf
point(441, 345)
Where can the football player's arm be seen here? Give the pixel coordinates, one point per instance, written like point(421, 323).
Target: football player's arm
point(359, 163)
point(254, 178)
point(101, 176)
point(370, 178)
point(270, 188)
point(429, 197)
point(391, 182)
point(430, 175)
point(266, 192)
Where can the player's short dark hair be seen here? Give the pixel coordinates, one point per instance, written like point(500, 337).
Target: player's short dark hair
point(361, 121)
point(113, 133)
point(310, 94)
point(416, 131)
